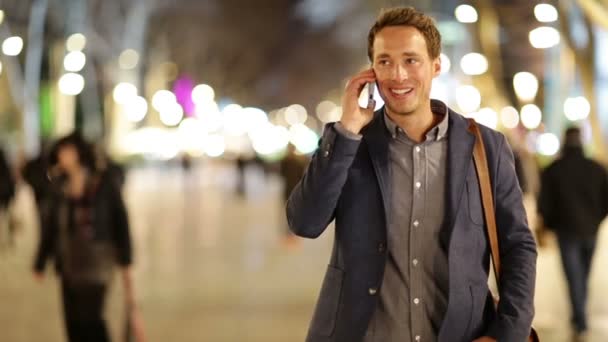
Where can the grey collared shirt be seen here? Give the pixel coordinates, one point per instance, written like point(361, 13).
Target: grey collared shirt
point(414, 292)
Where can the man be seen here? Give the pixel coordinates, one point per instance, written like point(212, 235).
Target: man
point(410, 259)
point(573, 201)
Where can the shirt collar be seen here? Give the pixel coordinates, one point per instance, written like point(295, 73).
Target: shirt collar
point(438, 132)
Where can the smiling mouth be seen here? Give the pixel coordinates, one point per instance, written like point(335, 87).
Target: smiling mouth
point(401, 92)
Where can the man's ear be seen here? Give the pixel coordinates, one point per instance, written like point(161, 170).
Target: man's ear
point(436, 67)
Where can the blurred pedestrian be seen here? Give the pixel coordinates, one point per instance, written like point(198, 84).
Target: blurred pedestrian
point(34, 172)
point(7, 193)
point(86, 232)
point(241, 173)
point(185, 162)
point(573, 201)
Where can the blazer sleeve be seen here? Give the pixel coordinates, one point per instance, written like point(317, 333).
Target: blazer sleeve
point(517, 252)
point(312, 203)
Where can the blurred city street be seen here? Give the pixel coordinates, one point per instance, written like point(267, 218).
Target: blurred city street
point(203, 116)
point(217, 270)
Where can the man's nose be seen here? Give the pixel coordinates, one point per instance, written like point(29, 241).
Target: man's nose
point(400, 73)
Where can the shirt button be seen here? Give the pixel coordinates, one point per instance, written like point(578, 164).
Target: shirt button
point(417, 148)
point(372, 291)
point(418, 185)
point(417, 338)
point(326, 154)
point(381, 247)
point(416, 301)
point(415, 262)
point(416, 223)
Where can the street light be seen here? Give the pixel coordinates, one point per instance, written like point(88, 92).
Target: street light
point(128, 59)
point(172, 115)
point(474, 64)
point(577, 108)
point(487, 117)
point(547, 144)
point(202, 93)
point(74, 61)
point(136, 108)
point(525, 85)
point(163, 99)
point(296, 114)
point(71, 84)
point(468, 98)
point(509, 117)
point(234, 122)
point(531, 116)
point(545, 13)
point(123, 92)
point(76, 42)
point(544, 37)
point(466, 14)
point(215, 145)
point(12, 46)
point(269, 139)
point(324, 110)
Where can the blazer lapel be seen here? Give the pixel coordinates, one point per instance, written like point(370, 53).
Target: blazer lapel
point(460, 154)
point(377, 139)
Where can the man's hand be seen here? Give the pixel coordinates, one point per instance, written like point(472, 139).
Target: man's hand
point(354, 118)
point(485, 339)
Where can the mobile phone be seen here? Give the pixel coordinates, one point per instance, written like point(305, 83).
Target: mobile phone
point(371, 87)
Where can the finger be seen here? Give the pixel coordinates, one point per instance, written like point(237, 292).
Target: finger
point(366, 70)
point(356, 85)
point(365, 74)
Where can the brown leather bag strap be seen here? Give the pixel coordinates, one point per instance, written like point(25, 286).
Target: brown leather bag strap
point(481, 165)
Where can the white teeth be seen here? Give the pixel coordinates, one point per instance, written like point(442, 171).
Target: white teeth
point(401, 91)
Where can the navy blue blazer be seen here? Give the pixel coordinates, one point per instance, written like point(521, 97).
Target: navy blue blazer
point(347, 181)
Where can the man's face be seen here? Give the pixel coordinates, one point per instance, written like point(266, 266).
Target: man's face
point(404, 71)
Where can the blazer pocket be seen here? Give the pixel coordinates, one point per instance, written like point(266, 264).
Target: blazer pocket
point(324, 317)
point(474, 203)
point(479, 295)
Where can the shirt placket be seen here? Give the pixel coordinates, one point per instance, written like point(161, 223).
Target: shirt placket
point(416, 224)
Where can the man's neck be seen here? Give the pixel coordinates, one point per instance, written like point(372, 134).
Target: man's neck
point(416, 125)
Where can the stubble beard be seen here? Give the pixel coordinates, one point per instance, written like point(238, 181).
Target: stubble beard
point(406, 110)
